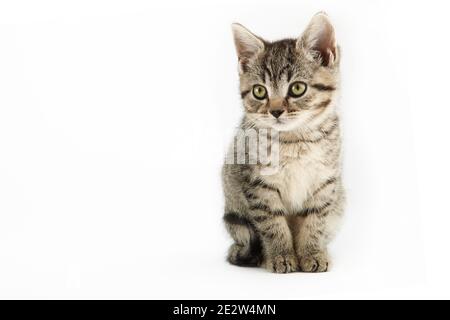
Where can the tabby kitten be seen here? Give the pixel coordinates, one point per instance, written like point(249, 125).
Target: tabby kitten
point(285, 220)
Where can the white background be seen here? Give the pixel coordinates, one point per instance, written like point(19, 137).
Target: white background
point(114, 118)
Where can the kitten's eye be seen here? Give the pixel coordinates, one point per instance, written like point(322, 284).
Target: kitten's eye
point(297, 89)
point(259, 92)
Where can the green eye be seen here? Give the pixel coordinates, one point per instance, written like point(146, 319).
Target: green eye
point(297, 89)
point(259, 92)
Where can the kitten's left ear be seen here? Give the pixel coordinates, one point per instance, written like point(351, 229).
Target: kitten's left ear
point(319, 40)
point(247, 44)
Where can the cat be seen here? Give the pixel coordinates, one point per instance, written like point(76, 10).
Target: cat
point(284, 221)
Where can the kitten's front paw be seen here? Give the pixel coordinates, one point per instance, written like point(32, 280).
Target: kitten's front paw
point(283, 264)
point(314, 262)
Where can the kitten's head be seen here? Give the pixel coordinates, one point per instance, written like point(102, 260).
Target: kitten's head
point(288, 84)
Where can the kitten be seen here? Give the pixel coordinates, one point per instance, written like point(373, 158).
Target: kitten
point(285, 220)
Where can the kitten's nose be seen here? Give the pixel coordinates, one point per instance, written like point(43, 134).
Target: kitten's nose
point(276, 113)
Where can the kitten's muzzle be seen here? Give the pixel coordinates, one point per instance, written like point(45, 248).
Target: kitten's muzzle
point(277, 107)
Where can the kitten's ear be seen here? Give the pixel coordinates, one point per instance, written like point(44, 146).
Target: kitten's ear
point(319, 40)
point(247, 44)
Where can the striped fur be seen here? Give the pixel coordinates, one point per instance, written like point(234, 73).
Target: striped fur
point(285, 221)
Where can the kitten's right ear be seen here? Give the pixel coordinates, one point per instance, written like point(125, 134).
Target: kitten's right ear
point(247, 44)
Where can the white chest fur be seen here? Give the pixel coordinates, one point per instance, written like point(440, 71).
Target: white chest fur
point(299, 176)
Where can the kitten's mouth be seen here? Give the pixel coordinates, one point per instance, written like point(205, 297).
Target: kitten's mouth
point(283, 124)
point(281, 121)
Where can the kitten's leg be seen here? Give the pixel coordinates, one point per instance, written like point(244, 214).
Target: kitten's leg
point(312, 246)
point(318, 227)
point(264, 209)
point(246, 250)
point(266, 212)
point(277, 241)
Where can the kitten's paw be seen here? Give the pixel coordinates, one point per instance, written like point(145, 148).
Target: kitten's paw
point(283, 264)
point(314, 262)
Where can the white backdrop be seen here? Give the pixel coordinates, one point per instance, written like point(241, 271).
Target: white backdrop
point(114, 118)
